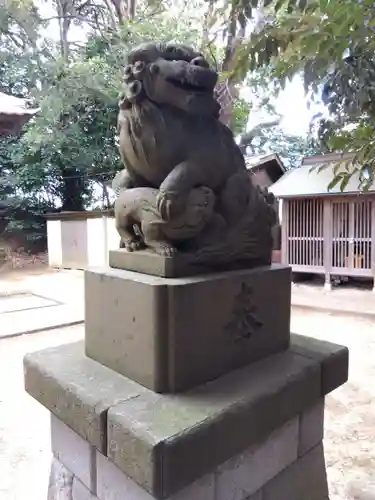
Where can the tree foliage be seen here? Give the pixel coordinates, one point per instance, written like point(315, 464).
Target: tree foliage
point(68, 153)
point(290, 148)
point(331, 43)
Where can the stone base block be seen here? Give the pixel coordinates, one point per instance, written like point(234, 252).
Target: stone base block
point(239, 432)
point(151, 263)
point(173, 334)
point(269, 470)
point(178, 266)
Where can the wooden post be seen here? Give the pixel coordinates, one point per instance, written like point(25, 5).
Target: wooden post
point(373, 242)
point(284, 231)
point(327, 243)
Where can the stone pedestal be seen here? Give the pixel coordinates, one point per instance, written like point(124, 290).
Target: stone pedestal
point(173, 334)
point(187, 389)
point(287, 465)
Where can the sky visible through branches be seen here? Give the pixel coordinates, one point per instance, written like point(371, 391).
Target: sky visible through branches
point(291, 104)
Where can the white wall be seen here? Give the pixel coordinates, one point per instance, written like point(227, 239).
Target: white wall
point(81, 243)
point(54, 243)
point(96, 244)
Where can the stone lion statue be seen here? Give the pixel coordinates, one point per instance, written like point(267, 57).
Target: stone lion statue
point(176, 151)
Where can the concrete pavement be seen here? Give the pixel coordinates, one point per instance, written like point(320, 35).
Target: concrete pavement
point(31, 302)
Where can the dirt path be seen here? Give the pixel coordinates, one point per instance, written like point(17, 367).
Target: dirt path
point(350, 415)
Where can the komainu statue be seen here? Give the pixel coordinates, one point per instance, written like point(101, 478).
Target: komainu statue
point(185, 188)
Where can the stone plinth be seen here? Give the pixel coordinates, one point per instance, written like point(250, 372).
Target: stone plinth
point(273, 469)
point(173, 334)
point(151, 263)
point(178, 266)
point(254, 433)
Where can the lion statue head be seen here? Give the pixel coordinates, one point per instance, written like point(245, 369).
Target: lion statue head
point(172, 75)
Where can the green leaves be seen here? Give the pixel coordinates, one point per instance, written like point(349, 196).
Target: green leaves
point(240, 116)
point(70, 147)
point(341, 178)
point(332, 43)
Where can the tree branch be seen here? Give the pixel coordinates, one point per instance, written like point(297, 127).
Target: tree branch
point(248, 137)
point(112, 15)
point(120, 10)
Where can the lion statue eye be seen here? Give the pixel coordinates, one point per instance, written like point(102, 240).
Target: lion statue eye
point(154, 69)
point(128, 70)
point(135, 87)
point(200, 61)
point(128, 73)
point(139, 66)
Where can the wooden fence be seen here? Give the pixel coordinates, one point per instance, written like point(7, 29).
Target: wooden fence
point(333, 235)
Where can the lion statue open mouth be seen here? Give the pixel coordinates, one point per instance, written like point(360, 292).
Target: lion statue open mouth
point(173, 144)
point(172, 75)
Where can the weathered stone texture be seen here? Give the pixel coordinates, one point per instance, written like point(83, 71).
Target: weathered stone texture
point(165, 446)
point(270, 470)
point(311, 427)
point(146, 327)
point(334, 360)
point(60, 482)
point(114, 485)
point(76, 389)
point(80, 492)
point(257, 496)
point(152, 263)
point(304, 480)
point(166, 442)
point(74, 452)
point(244, 474)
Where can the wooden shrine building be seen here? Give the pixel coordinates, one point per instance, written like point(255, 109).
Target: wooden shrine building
point(326, 232)
point(13, 115)
point(265, 170)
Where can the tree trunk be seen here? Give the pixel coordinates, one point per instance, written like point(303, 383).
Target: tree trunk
point(206, 25)
point(132, 6)
point(227, 93)
point(106, 200)
point(227, 90)
point(64, 14)
point(112, 15)
point(71, 191)
point(121, 10)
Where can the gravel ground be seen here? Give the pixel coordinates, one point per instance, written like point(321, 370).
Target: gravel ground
point(17, 261)
point(350, 416)
point(24, 424)
point(350, 411)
